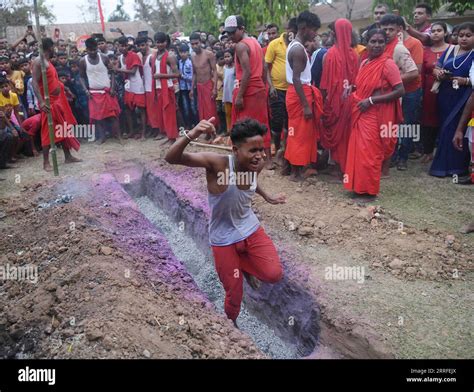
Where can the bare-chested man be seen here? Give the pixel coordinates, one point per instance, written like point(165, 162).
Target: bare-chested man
point(204, 78)
point(61, 112)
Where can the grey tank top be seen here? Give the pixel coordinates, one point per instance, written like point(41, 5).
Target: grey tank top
point(232, 217)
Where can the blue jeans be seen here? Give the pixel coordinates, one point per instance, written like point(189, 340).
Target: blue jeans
point(187, 109)
point(411, 104)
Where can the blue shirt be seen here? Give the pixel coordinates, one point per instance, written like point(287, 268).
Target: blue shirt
point(186, 70)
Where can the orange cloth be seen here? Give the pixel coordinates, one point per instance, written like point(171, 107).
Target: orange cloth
point(206, 105)
point(303, 134)
point(415, 48)
point(133, 100)
point(63, 119)
point(152, 112)
point(369, 146)
point(103, 105)
point(165, 101)
point(339, 72)
point(255, 98)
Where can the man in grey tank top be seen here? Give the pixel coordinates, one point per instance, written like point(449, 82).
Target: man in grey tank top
point(239, 243)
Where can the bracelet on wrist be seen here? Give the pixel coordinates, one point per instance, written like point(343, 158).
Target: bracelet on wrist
point(187, 136)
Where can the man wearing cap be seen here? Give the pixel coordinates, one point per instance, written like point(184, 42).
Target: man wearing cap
point(103, 104)
point(250, 95)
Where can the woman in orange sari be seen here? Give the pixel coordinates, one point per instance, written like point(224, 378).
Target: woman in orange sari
point(376, 113)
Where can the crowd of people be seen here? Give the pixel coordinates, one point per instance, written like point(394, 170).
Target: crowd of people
point(354, 103)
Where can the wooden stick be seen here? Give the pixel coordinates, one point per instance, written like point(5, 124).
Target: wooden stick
point(46, 91)
point(227, 148)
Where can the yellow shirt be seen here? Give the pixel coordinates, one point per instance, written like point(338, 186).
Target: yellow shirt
point(10, 102)
point(220, 82)
point(17, 79)
point(276, 56)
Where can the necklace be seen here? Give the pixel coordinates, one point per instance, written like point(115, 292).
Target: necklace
point(454, 59)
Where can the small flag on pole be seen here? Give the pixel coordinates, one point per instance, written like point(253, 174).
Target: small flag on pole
point(101, 14)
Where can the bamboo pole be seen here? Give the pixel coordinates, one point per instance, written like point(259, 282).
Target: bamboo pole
point(197, 144)
point(47, 101)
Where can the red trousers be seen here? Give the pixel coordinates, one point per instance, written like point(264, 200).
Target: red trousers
point(257, 256)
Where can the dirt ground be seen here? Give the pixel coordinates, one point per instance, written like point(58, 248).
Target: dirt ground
point(100, 297)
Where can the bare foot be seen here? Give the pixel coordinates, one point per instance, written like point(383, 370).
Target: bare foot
point(426, 158)
point(252, 281)
point(160, 136)
point(270, 165)
point(72, 159)
point(310, 172)
point(296, 177)
point(468, 228)
point(47, 167)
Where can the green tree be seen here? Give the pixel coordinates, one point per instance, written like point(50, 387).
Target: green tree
point(259, 12)
point(90, 11)
point(119, 14)
point(20, 13)
point(200, 15)
point(406, 7)
point(161, 15)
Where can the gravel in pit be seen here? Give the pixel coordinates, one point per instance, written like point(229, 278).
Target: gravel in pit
point(201, 267)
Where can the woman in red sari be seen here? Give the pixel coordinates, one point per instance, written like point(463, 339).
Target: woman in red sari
point(429, 114)
point(376, 113)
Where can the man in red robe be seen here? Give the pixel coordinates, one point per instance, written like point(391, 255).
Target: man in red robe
point(303, 100)
point(63, 119)
point(165, 68)
point(250, 94)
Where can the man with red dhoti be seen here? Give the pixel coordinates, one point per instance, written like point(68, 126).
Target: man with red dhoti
point(164, 69)
point(376, 113)
point(303, 100)
point(63, 119)
point(103, 104)
point(339, 73)
point(131, 66)
point(204, 79)
point(250, 94)
point(152, 114)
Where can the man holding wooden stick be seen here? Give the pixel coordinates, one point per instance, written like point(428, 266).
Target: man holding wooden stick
point(239, 243)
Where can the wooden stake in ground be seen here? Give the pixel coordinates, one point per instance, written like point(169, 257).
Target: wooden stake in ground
point(47, 101)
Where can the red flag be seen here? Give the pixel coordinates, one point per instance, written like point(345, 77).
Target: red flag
point(101, 16)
